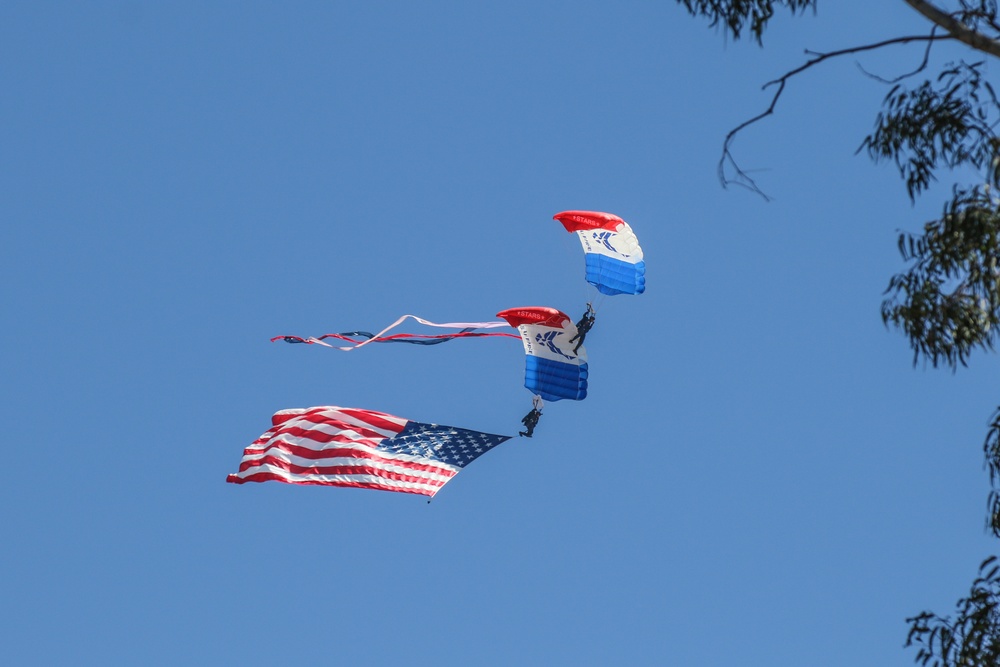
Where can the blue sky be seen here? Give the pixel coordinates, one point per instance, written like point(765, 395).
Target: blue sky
point(759, 475)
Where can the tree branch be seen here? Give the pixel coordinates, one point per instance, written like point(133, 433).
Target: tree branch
point(741, 177)
point(956, 28)
point(920, 68)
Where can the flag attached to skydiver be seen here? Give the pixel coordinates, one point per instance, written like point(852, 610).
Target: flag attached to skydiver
point(334, 446)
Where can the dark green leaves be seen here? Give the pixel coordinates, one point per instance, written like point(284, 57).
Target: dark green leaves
point(972, 639)
point(981, 15)
point(948, 302)
point(738, 15)
point(948, 123)
point(991, 449)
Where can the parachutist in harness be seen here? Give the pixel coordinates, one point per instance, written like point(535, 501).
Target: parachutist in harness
point(530, 420)
point(583, 326)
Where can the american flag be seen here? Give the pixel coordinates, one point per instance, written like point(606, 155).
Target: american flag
point(352, 447)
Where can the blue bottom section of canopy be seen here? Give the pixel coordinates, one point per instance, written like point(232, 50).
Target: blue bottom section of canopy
point(554, 380)
point(613, 276)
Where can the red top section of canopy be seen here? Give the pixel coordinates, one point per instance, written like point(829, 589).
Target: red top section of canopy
point(549, 317)
point(575, 221)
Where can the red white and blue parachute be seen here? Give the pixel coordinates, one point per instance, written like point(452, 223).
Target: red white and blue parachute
point(555, 366)
point(614, 258)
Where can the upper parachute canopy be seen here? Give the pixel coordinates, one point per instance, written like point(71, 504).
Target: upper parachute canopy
point(614, 258)
point(552, 369)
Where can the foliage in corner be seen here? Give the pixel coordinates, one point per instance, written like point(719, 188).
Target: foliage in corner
point(945, 125)
point(737, 15)
point(980, 15)
point(972, 639)
point(948, 302)
point(991, 449)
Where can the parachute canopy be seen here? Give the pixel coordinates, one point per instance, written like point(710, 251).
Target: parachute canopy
point(553, 370)
point(614, 258)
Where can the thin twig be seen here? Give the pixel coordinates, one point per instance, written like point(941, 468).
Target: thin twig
point(740, 176)
point(920, 68)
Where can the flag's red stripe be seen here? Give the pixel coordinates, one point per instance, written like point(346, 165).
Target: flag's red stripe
point(330, 415)
point(279, 418)
point(376, 419)
point(368, 421)
point(321, 437)
point(323, 440)
point(273, 477)
point(306, 453)
point(364, 430)
point(300, 427)
point(375, 471)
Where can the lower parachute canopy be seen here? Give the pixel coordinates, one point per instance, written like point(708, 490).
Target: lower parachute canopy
point(614, 259)
point(555, 367)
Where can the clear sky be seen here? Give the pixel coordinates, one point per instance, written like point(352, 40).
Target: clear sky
point(759, 475)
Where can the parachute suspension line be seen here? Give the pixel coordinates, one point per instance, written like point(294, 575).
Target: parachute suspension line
point(597, 301)
point(589, 291)
point(571, 249)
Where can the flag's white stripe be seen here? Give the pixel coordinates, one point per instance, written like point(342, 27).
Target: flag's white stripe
point(353, 415)
point(363, 444)
point(442, 473)
point(326, 428)
point(311, 443)
point(305, 420)
point(365, 418)
point(256, 452)
point(347, 478)
point(316, 431)
point(347, 427)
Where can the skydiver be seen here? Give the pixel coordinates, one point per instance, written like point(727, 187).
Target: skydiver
point(583, 326)
point(530, 420)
